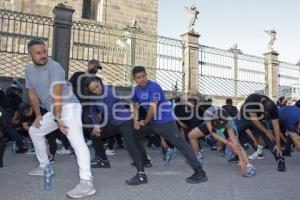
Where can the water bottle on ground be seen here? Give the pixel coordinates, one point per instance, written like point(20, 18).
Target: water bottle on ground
point(48, 178)
point(168, 157)
point(13, 148)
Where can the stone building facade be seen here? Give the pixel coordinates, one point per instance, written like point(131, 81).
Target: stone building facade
point(107, 12)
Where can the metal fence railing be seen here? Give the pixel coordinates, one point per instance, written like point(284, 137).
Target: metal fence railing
point(230, 72)
point(120, 49)
point(289, 80)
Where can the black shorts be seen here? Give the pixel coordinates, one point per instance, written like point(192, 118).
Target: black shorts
point(203, 128)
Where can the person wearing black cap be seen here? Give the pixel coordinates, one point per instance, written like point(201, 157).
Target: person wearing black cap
point(78, 78)
point(260, 114)
point(230, 108)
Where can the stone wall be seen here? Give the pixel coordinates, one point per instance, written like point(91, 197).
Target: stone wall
point(107, 12)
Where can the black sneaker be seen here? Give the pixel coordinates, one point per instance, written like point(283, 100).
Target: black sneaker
point(147, 164)
point(139, 178)
point(101, 164)
point(281, 165)
point(235, 159)
point(1, 164)
point(198, 177)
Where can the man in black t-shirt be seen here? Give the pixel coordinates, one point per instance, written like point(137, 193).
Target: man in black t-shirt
point(230, 108)
point(78, 79)
point(260, 114)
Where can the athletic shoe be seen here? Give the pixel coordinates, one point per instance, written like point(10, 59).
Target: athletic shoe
point(110, 152)
point(39, 171)
point(95, 160)
point(64, 151)
point(1, 164)
point(281, 165)
point(198, 177)
point(101, 164)
point(256, 156)
point(82, 189)
point(139, 178)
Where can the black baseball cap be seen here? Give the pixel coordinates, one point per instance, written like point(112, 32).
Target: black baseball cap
point(96, 63)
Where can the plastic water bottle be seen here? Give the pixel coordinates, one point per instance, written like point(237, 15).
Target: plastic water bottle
point(168, 157)
point(13, 148)
point(228, 153)
point(48, 178)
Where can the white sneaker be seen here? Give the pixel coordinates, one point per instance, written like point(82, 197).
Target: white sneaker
point(110, 152)
point(256, 156)
point(39, 171)
point(82, 189)
point(64, 151)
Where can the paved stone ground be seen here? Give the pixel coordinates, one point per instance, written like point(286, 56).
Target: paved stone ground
point(169, 183)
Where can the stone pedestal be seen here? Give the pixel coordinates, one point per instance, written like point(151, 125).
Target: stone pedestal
point(271, 64)
point(190, 57)
point(62, 35)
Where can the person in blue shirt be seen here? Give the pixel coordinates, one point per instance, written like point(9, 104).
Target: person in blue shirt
point(160, 119)
point(289, 117)
point(116, 118)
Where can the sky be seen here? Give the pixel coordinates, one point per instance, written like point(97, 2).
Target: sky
point(222, 23)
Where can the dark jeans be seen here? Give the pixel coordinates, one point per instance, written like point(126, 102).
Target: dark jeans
point(126, 129)
point(111, 141)
point(169, 132)
point(243, 124)
point(10, 131)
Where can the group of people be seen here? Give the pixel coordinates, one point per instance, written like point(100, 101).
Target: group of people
point(84, 107)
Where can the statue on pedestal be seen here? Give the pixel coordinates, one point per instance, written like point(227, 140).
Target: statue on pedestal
point(272, 33)
point(194, 12)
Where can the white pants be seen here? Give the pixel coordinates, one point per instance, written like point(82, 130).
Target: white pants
point(71, 117)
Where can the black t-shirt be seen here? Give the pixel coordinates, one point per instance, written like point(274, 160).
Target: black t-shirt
point(183, 114)
point(30, 119)
point(254, 102)
point(74, 81)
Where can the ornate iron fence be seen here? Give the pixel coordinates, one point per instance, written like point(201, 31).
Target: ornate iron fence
point(16, 29)
point(289, 80)
point(120, 49)
point(230, 72)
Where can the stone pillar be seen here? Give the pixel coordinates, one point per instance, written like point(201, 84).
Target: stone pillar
point(190, 41)
point(62, 35)
point(271, 64)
